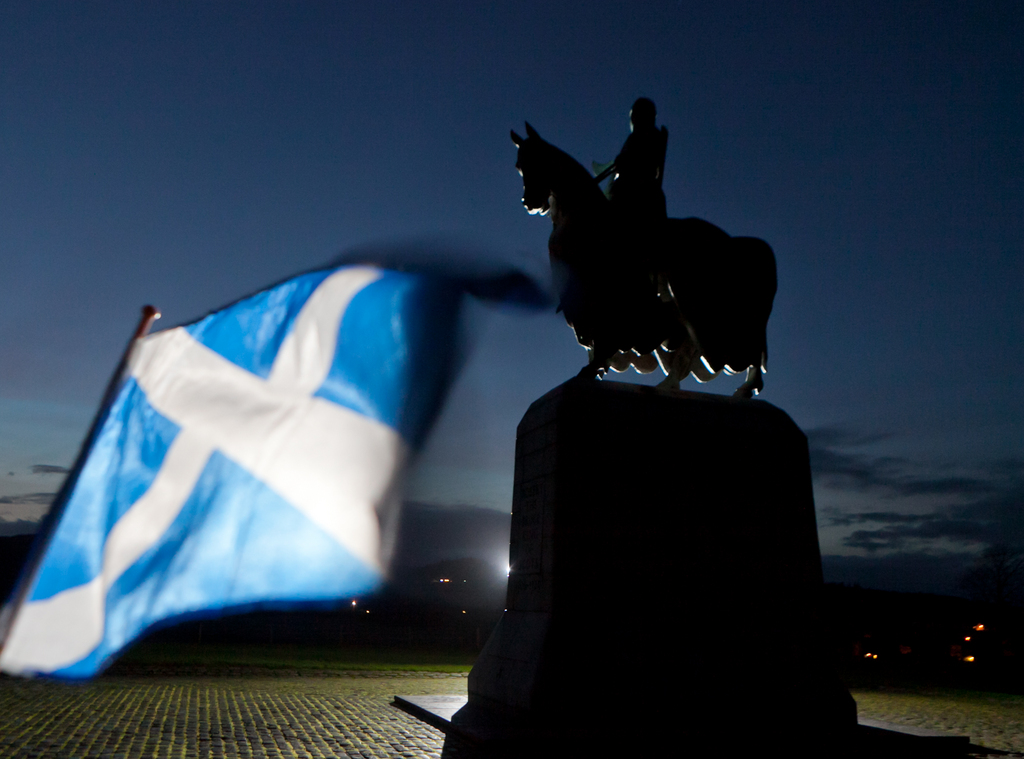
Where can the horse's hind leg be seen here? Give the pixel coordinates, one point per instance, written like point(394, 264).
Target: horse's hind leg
point(621, 361)
point(600, 358)
point(753, 385)
point(644, 364)
point(668, 362)
point(676, 365)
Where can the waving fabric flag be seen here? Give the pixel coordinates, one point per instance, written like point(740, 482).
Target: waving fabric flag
point(246, 460)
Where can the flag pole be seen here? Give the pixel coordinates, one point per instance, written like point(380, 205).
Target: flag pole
point(46, 529)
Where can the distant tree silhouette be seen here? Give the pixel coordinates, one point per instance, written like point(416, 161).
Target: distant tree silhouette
point(997, 575)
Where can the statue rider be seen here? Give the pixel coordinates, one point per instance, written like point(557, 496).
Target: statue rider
point(639, 202)
point(636, 189)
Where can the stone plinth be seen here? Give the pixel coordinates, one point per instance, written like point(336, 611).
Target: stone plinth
point(665, 565)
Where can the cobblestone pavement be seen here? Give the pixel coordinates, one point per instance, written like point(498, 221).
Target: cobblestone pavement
point(339, 716)
point(993, 720)
point(253, 713)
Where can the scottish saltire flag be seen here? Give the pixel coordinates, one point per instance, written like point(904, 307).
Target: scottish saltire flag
point(245, 460)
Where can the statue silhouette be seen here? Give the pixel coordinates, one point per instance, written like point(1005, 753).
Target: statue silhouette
point(635, 191)
point(694, 300)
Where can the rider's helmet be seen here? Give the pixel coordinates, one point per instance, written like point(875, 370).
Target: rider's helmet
point(642, 114)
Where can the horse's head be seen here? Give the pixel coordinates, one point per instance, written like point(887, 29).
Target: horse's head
point(534, 169)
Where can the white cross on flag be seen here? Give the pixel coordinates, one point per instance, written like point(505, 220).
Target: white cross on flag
point(245, 460)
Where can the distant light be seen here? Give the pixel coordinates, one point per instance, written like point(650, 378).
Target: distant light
point(979, 628)
point(868, 656)
point(353, 603)
point(367, 611)
point(463, 611)
point(968, 658)
point(967, 637)
point(874, 656)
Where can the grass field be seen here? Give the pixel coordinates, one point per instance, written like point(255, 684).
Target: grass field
point(303, 658)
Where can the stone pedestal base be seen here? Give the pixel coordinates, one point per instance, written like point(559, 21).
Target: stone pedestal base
point(664, 548)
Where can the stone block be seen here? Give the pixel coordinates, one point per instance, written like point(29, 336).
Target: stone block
point(661, 537)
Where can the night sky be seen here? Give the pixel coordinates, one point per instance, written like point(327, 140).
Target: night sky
point(186, 154)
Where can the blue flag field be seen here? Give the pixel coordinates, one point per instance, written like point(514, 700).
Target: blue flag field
point(246, 460)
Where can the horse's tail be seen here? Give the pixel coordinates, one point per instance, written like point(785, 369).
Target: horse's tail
point(754, 286)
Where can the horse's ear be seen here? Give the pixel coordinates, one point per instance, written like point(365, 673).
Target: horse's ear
point(530, 131)
point(517, 139)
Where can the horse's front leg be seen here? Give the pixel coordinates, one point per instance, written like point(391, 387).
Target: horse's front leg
point(754, 383)
point(593, 370)
point(600, 358)
point(679, 352)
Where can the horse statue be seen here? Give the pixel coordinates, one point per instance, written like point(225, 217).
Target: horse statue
point(680, 294)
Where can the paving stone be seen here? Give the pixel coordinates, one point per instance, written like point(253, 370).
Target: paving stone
point(233, 717)
point(208, 718)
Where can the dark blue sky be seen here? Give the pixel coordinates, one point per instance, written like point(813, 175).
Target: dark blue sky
point(185, 154)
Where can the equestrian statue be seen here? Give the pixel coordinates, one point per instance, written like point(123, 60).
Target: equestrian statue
point(638, 288)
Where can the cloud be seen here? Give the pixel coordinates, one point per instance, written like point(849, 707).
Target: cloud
point(17, 527)
point(834, 465)
point(900, 531)
point(906, 571)
point(969, 511)
point(987, 521)
point(428, 533)
point(844, 437)
point(1007, 467)
point(28, 499)
point(842, 519)
point(1002, 510)
point(49, 469)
